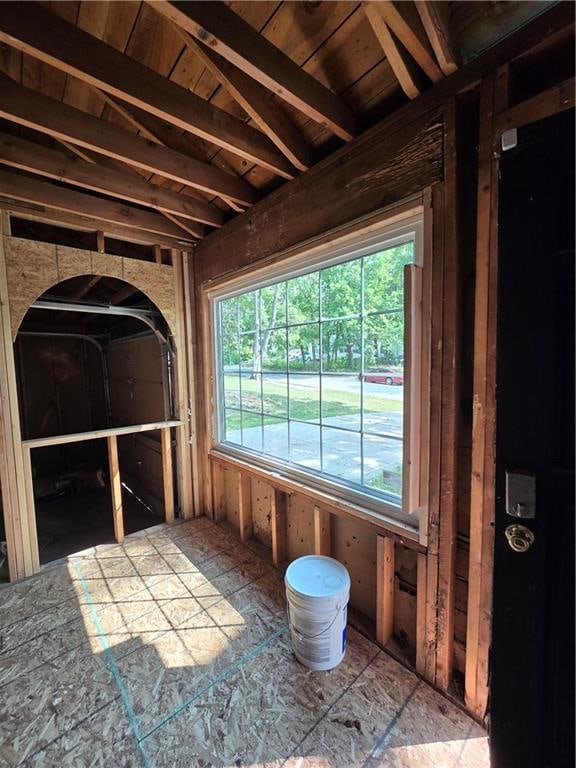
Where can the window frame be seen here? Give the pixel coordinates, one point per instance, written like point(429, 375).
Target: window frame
point(308, 260)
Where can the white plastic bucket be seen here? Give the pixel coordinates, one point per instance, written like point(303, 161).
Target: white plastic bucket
point(317, 591)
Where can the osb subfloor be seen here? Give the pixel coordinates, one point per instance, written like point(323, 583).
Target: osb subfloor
point(172, 650)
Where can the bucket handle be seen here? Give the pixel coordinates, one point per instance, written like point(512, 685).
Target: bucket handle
point(311, 637)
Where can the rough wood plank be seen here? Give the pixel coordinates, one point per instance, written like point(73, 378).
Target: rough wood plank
point(115, 488)
point(39, 33)
point(404, 21)
point(450, 404)
point(244, 486)
point(27, 156)
point(484, 416)
point(402, 65)
point(384, 589)
point(322, 531)
point(435, 17)
point(167, 472)
point(278, 524)
point(234, 39)
point(34, 110)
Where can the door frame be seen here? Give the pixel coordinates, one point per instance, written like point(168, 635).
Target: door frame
point(497, 116)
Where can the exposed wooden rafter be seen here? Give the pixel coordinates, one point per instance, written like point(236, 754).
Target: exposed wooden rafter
point(436, 22)
point(32, 29)
point(28, 190)
point(404, 21)
point(82, 223)
point(27, 156)
point(226, 33)
point(256, 101)
point(402, 64)
point(34, 110)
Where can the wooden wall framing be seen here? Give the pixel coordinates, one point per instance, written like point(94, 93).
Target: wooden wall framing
point(28, 269)
point(428, 577)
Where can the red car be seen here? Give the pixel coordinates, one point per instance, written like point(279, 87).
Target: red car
point(384, 376)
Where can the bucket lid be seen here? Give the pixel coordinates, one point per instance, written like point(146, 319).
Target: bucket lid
point(317, 576)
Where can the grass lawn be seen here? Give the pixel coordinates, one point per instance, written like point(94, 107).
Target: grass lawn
point(304, 403)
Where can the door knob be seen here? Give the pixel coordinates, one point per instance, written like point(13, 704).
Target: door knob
point(519, 537)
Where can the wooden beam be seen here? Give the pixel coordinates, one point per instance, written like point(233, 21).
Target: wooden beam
point(35, 31)
point(27, 156)
point(278, 504)
point(182, 391)
point(482, 489)
point(384, 589)
point(86, 223)
point(402, 65)
point(556, 99)
point(194, 390)
point(450, 402)
point(19, 518)
point(167, 474)
point(245, 523)
point(322, 531)
point(218, 504)
point(115, 488)
point(226, 33)
point(256, 101)
point(49, 195)
point(435, 17)
point(404, 21)
point(41, 113)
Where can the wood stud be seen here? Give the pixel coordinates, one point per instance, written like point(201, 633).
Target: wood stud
point(167, 473)
point(245, 524)
point(115, 488)
point(384, 589)
point(322, 531)
point(278, 524)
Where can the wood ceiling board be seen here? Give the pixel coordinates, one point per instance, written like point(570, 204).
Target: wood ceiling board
point(214, 24)
point(48, 195)
point(153, 42)
point(61, 121)
point(112, 23)
point(26, 156)
point(33, 30)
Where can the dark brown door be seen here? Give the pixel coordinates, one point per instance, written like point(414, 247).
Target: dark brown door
point(532, 662)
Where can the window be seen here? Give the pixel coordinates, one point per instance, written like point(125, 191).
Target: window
point(310, 367)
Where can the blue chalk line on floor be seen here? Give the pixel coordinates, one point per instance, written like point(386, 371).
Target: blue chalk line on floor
point(111, 661)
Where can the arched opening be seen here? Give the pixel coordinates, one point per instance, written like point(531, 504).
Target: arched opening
point(93, 353)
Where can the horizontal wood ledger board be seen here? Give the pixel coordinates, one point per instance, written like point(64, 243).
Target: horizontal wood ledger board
point(391, 168)
point(33, 267)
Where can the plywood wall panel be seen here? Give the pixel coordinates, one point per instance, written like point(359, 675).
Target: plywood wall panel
point(355, 547)
point(230, 492)
point(299, 527)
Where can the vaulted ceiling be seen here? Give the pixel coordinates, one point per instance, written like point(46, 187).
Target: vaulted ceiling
point(158, 121)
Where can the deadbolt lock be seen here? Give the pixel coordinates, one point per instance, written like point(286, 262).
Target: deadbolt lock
point(519, 537)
